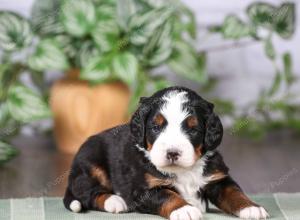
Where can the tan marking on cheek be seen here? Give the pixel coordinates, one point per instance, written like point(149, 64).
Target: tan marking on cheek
point(156, 182)
point(159, 119)
point(198, 152)
point(99, 201)
point(173, 202)
point(149, 145)
point(192, 121)
point(233, 200)
point(100, 174)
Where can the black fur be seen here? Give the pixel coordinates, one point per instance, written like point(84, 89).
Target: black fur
point(214, 132)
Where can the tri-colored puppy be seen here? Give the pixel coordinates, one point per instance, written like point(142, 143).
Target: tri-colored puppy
point(163, 162)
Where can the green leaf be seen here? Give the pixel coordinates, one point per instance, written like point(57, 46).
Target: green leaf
point(97, 70)
point(7, 152)
point(5, 78)
point(48, 56)
point(8, 125)
point(269, 48)
point(187, 63)
point(143, 26)
point(223, 107)
point(189, 21)
point(45, 17)
point(106, 12)
point(294, 123)
point(106, 2)
point(159, 47)
point(284, 20)
point(276, 84)
point(210, 85)
point(192, 25)
point(87, 52)
point(287, 62)
point(283, 106)
point(67, 44)
point(261, 14)
point(125, 66)
point(234, 28)
point(4, 113)
point(9, 74)
point(125, 9)
point(106, 32)
point(248, 127)
point(158, 3)
point(281, 19)
point(26, 105)
point(15, 32)
point(78, 17)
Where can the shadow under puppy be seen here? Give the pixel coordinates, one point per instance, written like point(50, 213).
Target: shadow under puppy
point(163, 162)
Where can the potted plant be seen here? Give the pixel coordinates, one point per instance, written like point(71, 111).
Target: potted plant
point(108, 50)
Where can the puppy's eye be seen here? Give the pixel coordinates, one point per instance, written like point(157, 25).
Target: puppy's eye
point(156, 128)
point(193, 131)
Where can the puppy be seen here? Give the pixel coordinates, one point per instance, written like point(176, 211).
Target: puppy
point(163, 162)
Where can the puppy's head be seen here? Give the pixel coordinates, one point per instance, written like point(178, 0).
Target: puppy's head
point(176, 127)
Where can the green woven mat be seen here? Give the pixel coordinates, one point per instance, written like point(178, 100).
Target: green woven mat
point(280, 206)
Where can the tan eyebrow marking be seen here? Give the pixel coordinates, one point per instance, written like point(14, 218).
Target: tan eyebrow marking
point(159, 119)
point(192, 121)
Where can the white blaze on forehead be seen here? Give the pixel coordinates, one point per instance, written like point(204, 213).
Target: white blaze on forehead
point(173, 110)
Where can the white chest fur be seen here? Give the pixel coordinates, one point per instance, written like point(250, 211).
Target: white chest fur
point(189, 181)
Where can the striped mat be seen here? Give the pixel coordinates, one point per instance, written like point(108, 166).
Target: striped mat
point(280, 206)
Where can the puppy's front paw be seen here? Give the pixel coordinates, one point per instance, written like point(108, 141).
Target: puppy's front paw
point(253, 212)
point(115, 204)
point(186, 212)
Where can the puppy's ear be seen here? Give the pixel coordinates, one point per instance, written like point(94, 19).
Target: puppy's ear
point(138, 120)
point(213, 126)
point(214, 130)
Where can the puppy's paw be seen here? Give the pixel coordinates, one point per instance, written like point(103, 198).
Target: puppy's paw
point(253, 212)
point(115, 204)
point(186, 212)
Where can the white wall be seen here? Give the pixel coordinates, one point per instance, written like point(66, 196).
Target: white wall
point(242, 70)
point(20, 6)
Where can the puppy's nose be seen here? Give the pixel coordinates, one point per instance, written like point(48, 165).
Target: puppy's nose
point(173, 155)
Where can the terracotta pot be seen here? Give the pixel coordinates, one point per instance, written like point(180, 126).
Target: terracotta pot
point(81, 110)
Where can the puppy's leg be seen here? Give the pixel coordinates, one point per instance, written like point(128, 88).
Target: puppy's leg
point(228, 196)
point(110, 203)
point(166, 203)
point(93, 195)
